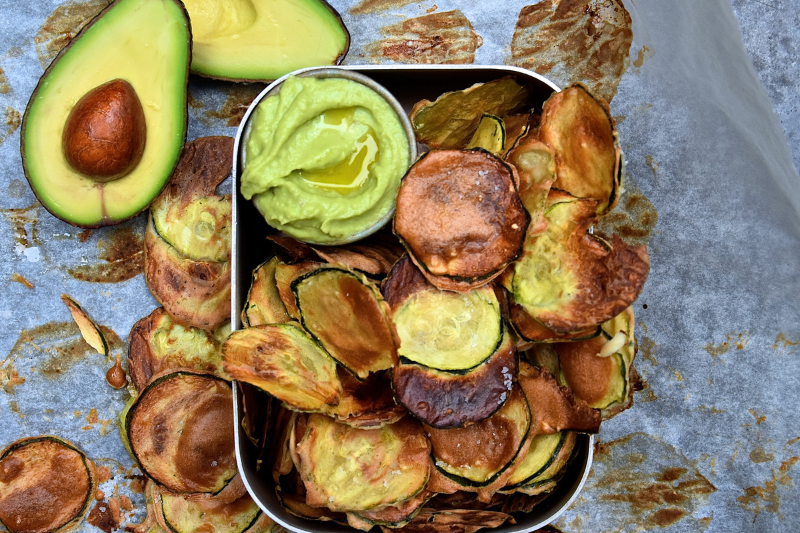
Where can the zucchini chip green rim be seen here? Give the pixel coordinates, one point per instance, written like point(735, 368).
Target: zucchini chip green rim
point(345, 314)
point(60, 502)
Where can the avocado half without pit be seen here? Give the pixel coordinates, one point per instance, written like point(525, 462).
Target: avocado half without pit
point(105, 125)
point(261, 40)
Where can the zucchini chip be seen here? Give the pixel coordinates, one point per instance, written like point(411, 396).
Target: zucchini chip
point(490, 135)
point(181, 514)
point(46, 484)
point(460, 217)
point(283, 361)
point(393, 516)
point(547, 454)
point(478, 454)
point(447, 400)
point(264, 304)
point(516, 128)
point(598, 370)
point(90, 331)
point(571, 280)
point(451, 520)
point(451, 120)
point(365, 404)
point(187, 241)
point(532, 330)
point(535, 164)
point(548, 476)
point(348, 469)
point(156, 343)
point(579, 128)
point(285, 274)
point(346, 314)
point(194, 293)
point(373, 256)
point(180, 429)
point(555, 408)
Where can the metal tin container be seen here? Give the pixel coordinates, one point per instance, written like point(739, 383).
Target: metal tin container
point(408, 84)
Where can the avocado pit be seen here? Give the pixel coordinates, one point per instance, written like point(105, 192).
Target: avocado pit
point(104, 135)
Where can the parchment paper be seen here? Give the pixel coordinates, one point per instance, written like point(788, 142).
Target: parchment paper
point(709, 445)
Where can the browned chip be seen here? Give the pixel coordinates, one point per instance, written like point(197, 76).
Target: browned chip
point(371, 258)
point(456, 520)
point(535, 164)
point(580, 130)
point(516, 127)
point(532, 330)
point(156, 344)
point(393, 516)
point(346, 314)
point(194, 293)
point(452, 119)
point(204, 164)
point(285, 274)
point(365, 404)
point(446, 400)
point(46, 484)
point(571, 280)
point(264, 304)
point(460, 217)
point(555, 408)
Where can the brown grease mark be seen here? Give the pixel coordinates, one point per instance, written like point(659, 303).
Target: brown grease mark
point(62, 25)
point(768, 494)
point(647, 395)
point(123, 253)
point(19, 278)
point(794, 440)
point(446, 37)
point(374, 6)
point(678, 375)
point(634, 219)
point(125, 503)
point(116, 375)
point(712, 410)
point(657, 484)
point(13, 120)
point(14, 406)
point(758, 455)
point(19, 219)
point(431, 9)
point(57, 346)
point(717, 350)
point(644, 54)
point(239, 99)
point(739, 341)
point(92, 417)
point(575, 41)
point(85, 234)
point(647, 347)
point(5, 88)
point(103, 474)
point(9, 377)
point(759, 419)
point(782, 340)
point(102, 517)
point(619, 119)
point(193, 102)
point(653, 165)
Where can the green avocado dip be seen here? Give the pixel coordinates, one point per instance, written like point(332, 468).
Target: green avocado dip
point(324, 159)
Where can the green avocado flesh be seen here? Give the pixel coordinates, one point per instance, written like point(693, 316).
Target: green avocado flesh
point(263, 39)
point(147, 44)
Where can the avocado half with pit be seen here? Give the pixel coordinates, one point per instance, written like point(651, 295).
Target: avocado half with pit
point(261, 40)
point(104, 128)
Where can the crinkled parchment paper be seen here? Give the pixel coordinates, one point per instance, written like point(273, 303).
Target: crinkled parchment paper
point(708, 445)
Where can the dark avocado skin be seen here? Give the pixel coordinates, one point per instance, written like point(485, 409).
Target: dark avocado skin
point(160, 83)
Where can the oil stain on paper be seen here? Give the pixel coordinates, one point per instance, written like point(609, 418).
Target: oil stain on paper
point(238, 100)
point(13, 119)
point(446, 37)
point(575, 41)
point(62, 25)
point(56, 347)
point(634, 218)
point(643, 482)
point(374, 6)
point(121, 258)
point(767, 497)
